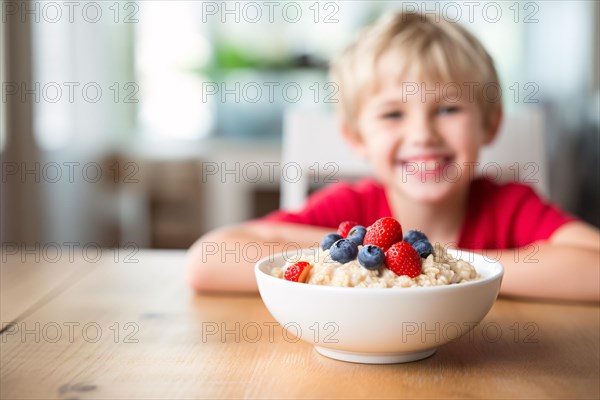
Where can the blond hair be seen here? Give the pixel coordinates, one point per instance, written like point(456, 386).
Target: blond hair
point(440, 50)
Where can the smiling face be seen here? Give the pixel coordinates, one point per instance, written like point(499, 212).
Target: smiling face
point(422, 140)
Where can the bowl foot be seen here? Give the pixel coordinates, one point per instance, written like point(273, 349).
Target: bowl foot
point(374, 358)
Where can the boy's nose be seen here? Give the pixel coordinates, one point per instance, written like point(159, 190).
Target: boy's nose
point(422, 131)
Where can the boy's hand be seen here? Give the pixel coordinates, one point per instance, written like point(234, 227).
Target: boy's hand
point(224, 259)
point(567, 266)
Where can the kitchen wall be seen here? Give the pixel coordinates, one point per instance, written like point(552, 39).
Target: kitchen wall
point(116, 119)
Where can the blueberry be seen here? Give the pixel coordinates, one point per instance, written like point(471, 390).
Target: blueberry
point(357, 234)
point(423, 247)
point(371, 257)
point(414, 236)
point(343, 251)
point(329, 239)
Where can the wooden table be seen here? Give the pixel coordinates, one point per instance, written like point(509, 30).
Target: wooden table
point(130, 328)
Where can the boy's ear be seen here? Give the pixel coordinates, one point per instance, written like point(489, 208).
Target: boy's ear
point(354, 139)
point(494, 126)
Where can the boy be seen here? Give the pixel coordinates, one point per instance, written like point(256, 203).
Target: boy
point(412, 139)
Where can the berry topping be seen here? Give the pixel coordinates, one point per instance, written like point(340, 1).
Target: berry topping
point(345, 227)
point(357, 234)
point(383, 233)
point(343, 251)
point(414, 236)
point(402, 259)
point(329, 239)
point(423, 247)
point(371, 257)
point(297, 272)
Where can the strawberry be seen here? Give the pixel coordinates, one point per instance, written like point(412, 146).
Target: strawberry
point(383, 233)
point(297, 272)
point(403, 259)
point(345, 227)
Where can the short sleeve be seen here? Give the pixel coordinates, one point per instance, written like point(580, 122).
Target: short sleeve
point(534, 218)
point(508, 216)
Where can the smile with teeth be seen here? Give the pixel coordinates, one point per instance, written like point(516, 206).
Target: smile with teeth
point(428, 161)
point(425, 164)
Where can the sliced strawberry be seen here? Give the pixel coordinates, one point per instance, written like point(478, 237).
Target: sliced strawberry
point(345, 227)
point(383, 233)
point(297, 272)
point(403, 259)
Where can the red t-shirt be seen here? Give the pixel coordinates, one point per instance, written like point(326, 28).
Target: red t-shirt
point(498, 216)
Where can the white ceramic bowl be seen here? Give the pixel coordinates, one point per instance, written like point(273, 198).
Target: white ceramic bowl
point(376, 325)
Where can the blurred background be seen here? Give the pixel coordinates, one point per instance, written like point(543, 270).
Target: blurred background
point(152, 122)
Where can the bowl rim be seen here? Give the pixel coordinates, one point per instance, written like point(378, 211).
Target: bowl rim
point(496, 274)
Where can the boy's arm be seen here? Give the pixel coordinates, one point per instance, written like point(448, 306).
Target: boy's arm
point(567, 266)
point(224, 259)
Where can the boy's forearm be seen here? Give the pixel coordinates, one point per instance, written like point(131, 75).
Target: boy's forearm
point(550, 271)
point(223, 260)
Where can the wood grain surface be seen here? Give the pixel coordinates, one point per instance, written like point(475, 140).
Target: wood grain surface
point(119, 329)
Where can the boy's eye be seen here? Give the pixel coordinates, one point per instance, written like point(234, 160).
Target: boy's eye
point(448, 110)
point(392, 115)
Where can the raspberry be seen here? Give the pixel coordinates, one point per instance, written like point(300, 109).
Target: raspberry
point(403, 259)
point(383, 233)
point(345, 227)
point(297, 272)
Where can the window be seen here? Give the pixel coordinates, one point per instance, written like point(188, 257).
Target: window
point(171, 46)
